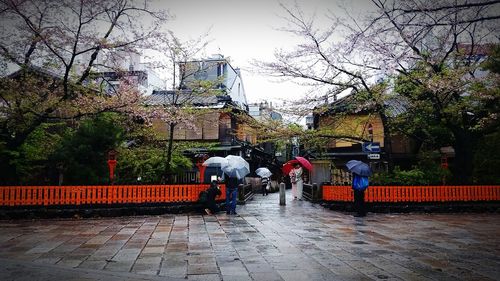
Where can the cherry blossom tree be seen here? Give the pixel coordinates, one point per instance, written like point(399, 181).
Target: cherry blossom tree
point(436, 48)
point(60, 47)
point(65, 42)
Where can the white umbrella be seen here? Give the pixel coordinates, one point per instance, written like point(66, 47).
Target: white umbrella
point(237, 167)
point(263, 172)
point(216, 161)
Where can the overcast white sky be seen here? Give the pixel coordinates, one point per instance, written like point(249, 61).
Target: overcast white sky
point(245, 30)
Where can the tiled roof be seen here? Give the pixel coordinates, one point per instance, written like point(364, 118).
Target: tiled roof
point(478, 49)
point(187, 97)
point(394, 105)
point(39, 70)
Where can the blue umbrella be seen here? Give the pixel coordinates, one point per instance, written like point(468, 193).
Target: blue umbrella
point(359, 168)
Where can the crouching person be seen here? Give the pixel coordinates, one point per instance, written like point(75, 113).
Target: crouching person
point(212, 192)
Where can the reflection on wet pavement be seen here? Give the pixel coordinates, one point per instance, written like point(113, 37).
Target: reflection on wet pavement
point(299, 241)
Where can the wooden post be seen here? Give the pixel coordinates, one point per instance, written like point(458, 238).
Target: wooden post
point(241, 194)
point(282, 194)
point(315, 192)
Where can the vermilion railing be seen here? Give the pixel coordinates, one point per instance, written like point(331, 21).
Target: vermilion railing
point(416, 193)
point(109, 194)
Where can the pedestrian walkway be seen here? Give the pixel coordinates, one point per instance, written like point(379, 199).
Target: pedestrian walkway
point(265, 241)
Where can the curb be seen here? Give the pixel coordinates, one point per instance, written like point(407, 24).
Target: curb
point(427, 207)
point(94, 211)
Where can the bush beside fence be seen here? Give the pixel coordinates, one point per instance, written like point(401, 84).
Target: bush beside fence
point(415, 193)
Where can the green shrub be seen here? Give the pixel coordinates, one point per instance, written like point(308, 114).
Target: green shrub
point(415, 176)
point(487, 160)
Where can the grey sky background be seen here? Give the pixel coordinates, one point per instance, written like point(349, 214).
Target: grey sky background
point(245, 30)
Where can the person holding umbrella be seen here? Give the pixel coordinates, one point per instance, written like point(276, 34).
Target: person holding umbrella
point(265, 174)
point(234, 172)
point(265, 182)
point(297, 182)
point(360, 173)
point(293, 168)
point(232, 183)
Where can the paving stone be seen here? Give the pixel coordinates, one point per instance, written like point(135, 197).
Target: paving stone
point(119, 266)
point(152, 250)
point(236, 278)
point(93, 264)
point(198, 269)
point(47, 260)
point(234, 270)
point(176, 268)
point(205, 277)
point(22, 271)
point(149, 265)
point(69, 262)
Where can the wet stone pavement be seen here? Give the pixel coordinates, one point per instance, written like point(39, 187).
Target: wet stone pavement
point(265, 241)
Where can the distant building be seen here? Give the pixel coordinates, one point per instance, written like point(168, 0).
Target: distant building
point(126, 67)
point(310, 121)
point(211, 69)
point(266, 153)
point(263, 110)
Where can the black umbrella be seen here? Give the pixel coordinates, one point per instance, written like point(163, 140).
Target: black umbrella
point(359, 168)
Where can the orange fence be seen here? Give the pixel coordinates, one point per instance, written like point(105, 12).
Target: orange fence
point(112, 194)
point(416, 193)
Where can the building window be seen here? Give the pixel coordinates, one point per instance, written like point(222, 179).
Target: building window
point(220, 69)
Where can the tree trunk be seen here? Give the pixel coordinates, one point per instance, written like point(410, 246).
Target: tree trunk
point(387, 141)
point(169, 149)
point(465, 145)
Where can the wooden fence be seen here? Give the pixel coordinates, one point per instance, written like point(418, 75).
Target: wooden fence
point(90, 195)
point(245, 193)
point(416, 193)
point(308, 192)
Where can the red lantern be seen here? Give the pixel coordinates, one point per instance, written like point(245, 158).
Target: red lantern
point(111, 165)
point(444, 162)
point(200, 158)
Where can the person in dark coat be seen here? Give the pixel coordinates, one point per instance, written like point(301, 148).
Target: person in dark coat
point(212, 192)
point(231, 193)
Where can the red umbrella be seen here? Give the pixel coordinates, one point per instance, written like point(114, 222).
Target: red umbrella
point(304, 162)
point(288, 166)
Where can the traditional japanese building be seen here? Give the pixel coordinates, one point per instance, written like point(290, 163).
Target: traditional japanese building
point(216, 121)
